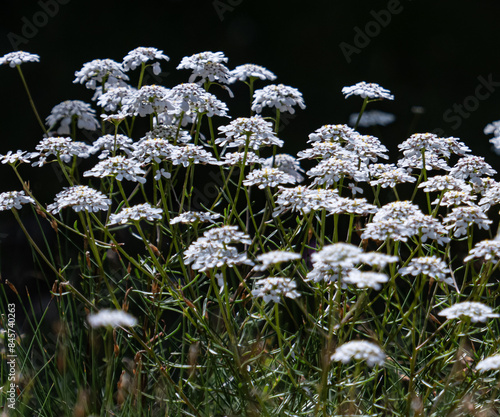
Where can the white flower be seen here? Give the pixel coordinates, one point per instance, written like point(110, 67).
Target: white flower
point(359, 350)
point(304, 199)
point(61, 147)
point(213, 250)
point(70, 110)
point(433, 144)
point(257, 131)
point(477, 312)
point(119, 167)
point(321, 150)
point(14, 199)
point(280, 96)
point(141, 55)
point(267, 177)
point(491, 363)
point(388, 175)
point(472, 167)
point(152, 149)
point(372, 118)
point(273, 289)
point(148, 100)
point(13, 157)
point(493, 128)
point(111, 144)
point(136, 213)
point(332, 260)
point(170, 132)
point(112, 318)
point(236, 158)
point(370, 90)
point(80, 197)
point(275, 257)
point(367, 148)
point(242, 72)
point(190, 217)
point(332, 133)
point(191, 154)
point(365, 279)
point(489, 250)
point(455, 198)
point(190, 97)
point(331, 170)
point(463, 217)
point(113, 98)
point(100, 70)
point(444, 182)
point(207, 65)
point(358, 206)
point(18, 58)
point(286, 163)
point(431, 266)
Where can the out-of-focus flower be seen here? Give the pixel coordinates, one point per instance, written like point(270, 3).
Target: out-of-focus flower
point(359, 350)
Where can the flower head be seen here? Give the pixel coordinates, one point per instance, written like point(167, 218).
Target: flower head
point(359, 350)
point(18, 58)
point(14, 199)
point(367, 90)
point(491, 363)
point(431, 266)
point(190, 217)
point(273, 289)
point(477, 312)
point(256, 130)
point(275, 257)
point(268, 177)
point(280, 96)
point(242, 72)
point(142, 55)
point(135, 213)
point(112, 318)
point(80, 198)
point(70, 110)
point(101, 71)
point(207, 65)
point(365, 279)
point(119, 167)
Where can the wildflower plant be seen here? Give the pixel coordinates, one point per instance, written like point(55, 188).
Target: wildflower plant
point(358, 286)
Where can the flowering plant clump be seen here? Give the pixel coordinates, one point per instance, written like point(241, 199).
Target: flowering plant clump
point(195, 267)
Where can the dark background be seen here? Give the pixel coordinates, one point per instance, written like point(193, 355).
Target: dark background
point(431, 54)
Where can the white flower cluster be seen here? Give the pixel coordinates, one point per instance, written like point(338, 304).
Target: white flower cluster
point(359, 350)
point(208, 66)
point(109, 145)
point(267, 177)
point(61, 147)
point(242, 72)
point(190, 217)
point(106, 71)
point(119, 167)
point(372, 91)
point(135, 213)
point(111, 318)
point(140, 55)
point(80, 198)
point(17, 58)
point(476, 312)
point(254, 130)
point(274, 288)
point(431, 266)
point(275, 257)
point(14, 199)
point(213, 250)
point(280, 96)
point(72, 111)
point(489, 250)
point(491, 363)
point(149, 99)
point(335, 261)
